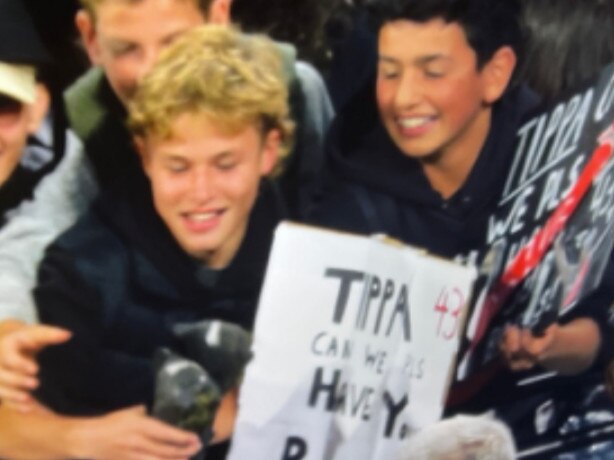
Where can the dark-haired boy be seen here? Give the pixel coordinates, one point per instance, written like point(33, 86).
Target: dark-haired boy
point(426, 164)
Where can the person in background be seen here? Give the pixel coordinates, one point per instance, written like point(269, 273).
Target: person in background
point(24, 103)
point(37, 154)
point(26, 173)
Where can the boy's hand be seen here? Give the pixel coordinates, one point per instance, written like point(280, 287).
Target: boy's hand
point(522, 349)
point(129, 434)
point(19, 344)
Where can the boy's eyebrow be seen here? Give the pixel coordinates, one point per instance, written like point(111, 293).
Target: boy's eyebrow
point(171, 156)
point(431, 57)
point(387, 59)
point(175, 156)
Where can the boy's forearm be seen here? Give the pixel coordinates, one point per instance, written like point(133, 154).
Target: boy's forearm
point(38, 435)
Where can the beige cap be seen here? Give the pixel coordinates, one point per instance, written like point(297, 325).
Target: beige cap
point(18, 81)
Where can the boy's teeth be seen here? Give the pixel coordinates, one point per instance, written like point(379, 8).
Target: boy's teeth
point(203, 216)
point(412, 122)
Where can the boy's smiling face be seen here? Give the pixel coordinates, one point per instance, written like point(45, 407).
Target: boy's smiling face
point(432, 98)
point(205, 181)
point(17, 121)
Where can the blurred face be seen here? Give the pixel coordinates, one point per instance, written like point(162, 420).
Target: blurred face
point(127, 37)
point(17, 121)
point(432, 99)
point(205, 181)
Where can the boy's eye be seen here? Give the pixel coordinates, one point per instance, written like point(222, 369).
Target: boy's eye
point(177, 166)
point(436, 69)
point(226, 165)
point(433, 73)
point(387, 72)
point(226, 161)
point(388, 75)
point(122, 49)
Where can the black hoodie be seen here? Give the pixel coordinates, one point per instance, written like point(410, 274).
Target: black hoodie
point(119, 281)
point(372, 187)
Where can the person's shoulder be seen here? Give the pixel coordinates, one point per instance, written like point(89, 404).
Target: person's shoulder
point(296, 69)
point(91, 238)
point(83, 107)
point(85, 85)
point(287, 54)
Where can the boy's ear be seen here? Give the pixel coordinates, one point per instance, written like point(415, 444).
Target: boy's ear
point(219, 12)
point(39, 108)
point(87, 29)
point(139, 146)
point(270, 152)
point(497, 73)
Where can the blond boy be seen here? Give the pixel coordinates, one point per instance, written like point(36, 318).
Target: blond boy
point(211, 122)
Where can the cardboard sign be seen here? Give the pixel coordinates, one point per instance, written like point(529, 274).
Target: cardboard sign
point(354, 344)
point(551, 236)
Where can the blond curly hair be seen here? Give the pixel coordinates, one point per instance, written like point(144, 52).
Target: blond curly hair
point(232, 78)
